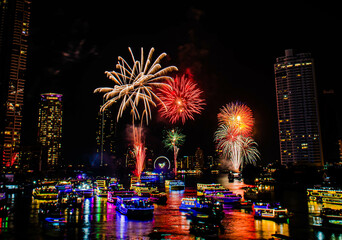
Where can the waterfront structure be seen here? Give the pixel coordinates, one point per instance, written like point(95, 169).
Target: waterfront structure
point(14, 32)
point(50, 126)
point(297, 108)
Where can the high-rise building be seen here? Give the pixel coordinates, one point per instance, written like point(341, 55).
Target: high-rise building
point(50, 126)
point(298, 119)
point(14, 31)
point(105, 134)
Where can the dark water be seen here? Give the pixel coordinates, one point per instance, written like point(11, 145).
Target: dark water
point(99, 220)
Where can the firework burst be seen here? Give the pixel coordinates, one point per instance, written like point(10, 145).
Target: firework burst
point(238, 117)
point(135, 83)
point(173, 139)
point(233, 135)
point(182, 101)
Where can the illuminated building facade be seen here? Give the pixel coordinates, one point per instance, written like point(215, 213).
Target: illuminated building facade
point(50, 126)
point(14, 32)
point(298, 120)
point(105, 134)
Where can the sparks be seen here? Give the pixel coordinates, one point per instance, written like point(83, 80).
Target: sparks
point(183, 100)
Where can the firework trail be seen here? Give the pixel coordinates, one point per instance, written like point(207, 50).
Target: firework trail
point(233, 135)
point(173, 139)
point(134, 84)
point(183, 100)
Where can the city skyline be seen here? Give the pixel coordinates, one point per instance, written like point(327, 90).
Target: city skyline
point(193, 36)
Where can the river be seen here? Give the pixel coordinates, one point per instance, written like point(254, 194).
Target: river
point(99, 219)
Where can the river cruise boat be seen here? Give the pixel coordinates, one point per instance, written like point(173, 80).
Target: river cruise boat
point(331, 217)
point(101, 188)
point(271, 211)
point(135, 207)
point(201, 187)
point(70, 199)
point(45, 193)
point(117, 190)
point(64, 186)
point(329, 195)
point(85, 188)
point(174, 185)
point(189, 203)
point(224, 196)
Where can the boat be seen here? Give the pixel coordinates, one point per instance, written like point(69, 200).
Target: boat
point(142, 189)
point(272, 211)
point(3, 204)
point(158, 197)
point(49, 210)
point(174, 185)
point(189, 203)
point(331, 217)
point(101, 188)
point(226, 197)
point(45, 193)
point(204, 227)
point(135, 207)
point(331, 195)
point(85, 188)
point(70, 199)
point(117, 190)
point(64, 186)
point(201, 187)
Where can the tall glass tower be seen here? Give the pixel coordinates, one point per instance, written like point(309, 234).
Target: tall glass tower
point(297, 107)
point(14, 32)
point(50, 126)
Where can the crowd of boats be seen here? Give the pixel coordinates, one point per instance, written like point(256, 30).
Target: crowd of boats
point(204, 210)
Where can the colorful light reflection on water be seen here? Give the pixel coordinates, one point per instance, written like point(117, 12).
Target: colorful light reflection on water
point(99, 220)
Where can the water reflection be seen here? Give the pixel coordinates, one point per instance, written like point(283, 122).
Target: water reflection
point(98, 219)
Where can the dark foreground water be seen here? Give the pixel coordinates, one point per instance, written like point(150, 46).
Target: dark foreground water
point(99, 220)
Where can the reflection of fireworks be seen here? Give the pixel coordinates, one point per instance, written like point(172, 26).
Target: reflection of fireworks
point(173, 140)
point(136, 83)
point(233, 135)
point(182, 100)
point(238, 117)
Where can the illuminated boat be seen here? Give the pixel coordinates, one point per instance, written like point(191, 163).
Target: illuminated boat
point(70, 199)
point(101, 188)
point(135, 207)
point(189, 203)
point(201, 187)
point(117, 190)
point(272, 211)
point(142, 189)
point(329, 195)
point(85, 189)
point(158, 197)
point(223, 196)
point(45, 193)
point(64, 186)
point(174, 185)
point(203, 226)
point(331, 217)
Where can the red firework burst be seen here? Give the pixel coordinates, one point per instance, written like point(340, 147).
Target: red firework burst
point(238, 117)
point(182, 100)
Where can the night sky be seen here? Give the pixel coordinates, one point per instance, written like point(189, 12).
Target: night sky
point(231, 49)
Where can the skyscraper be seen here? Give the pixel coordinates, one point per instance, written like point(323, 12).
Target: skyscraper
point(50, 126)
point(105, 134)
point(298, 120)
point(14, 31)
